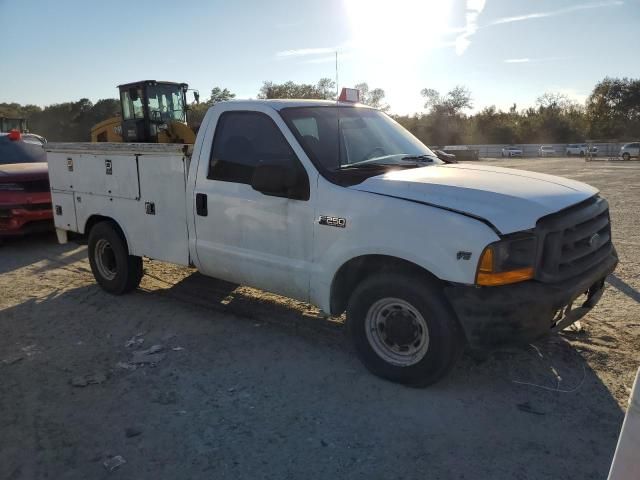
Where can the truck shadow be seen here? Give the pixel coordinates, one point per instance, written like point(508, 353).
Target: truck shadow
point(19, 252)
point(619, 284)
point(540, 409)
point(253, 304)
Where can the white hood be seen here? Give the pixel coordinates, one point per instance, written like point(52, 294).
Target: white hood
point(511, 200)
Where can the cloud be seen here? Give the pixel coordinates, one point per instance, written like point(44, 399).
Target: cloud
point(305, 52)
point(537, 60)
point(474, 9)
point(554, 13)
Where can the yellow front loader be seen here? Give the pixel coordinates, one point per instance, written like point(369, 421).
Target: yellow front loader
point(151, 112)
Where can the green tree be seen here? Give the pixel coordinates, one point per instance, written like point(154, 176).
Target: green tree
point(327, 89)
point(323, 90)
point(453, 103)
point(220, 95)
point(197, 111)
point(374, 98)
point(613, 109)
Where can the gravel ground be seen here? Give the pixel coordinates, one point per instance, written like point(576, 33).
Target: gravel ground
point(251, 385)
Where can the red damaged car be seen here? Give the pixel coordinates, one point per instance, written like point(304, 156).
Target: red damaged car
point(25, 199)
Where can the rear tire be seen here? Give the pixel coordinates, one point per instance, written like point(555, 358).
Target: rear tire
point(403, 329)
point(114, 269)
point(626, 156)
point(581, 154)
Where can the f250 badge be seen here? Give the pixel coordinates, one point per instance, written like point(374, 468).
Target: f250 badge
point(332, 221)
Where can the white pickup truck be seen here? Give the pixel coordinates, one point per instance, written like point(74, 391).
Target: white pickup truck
point(337, 205)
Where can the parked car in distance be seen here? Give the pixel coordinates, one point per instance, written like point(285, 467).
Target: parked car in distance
point(630, 150)
point(546, 151)
point(462, 152)
point(511, 152)
point(445, 157)
point(25, 198)
point(580, 150)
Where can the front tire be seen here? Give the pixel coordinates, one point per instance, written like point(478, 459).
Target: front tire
point(114, 269)
point(626, 156)
point(403, 329)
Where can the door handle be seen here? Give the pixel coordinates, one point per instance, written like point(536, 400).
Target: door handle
point(201, 204)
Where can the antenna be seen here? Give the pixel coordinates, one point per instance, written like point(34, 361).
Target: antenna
point(337, 78)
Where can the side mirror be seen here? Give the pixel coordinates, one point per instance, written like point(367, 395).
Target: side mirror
point(196, 96)
point(274, 179)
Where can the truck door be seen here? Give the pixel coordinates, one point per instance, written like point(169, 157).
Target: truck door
point(244, 235)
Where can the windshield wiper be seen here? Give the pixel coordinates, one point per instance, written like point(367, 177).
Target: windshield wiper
point(376, 163)
point(420, 158)
point(354, 166)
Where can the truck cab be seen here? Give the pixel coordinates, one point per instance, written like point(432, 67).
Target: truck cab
point(335, 204)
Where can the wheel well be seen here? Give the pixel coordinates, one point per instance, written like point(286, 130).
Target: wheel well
point(357, 269)
point(93, 220)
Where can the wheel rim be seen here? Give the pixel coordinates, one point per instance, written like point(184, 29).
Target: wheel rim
point(397, 332)
point(105, 259)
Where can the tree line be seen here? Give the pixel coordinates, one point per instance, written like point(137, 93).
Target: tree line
point(610, 113)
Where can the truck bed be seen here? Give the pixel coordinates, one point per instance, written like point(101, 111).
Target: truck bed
point(141, 186)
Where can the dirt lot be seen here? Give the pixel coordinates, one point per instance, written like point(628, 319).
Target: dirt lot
point(256, 386)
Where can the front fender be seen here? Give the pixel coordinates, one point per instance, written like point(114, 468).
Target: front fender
point(444, 243)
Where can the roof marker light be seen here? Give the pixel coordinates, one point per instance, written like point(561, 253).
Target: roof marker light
point(14, 135)
point(349, 95)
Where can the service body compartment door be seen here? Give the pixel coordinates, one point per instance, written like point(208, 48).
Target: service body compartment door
point(108, 175)
point(64, 211)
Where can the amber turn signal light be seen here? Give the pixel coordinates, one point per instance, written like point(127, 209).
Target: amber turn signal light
point(488, 278)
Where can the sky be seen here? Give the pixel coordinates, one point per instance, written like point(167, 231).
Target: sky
point(503, 51)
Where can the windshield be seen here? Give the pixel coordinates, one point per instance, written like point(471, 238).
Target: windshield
point(166, 103)
point(364, 137)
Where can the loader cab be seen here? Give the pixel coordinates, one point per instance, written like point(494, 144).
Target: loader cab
point(7, 124)
point(148, 107)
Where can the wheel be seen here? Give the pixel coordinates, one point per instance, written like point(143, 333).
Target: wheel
point(626, 156)
point(568, 154)
point(581, 153)
point(403, 329)
point(113, 268)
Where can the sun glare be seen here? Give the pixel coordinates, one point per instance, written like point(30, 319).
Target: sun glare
point(393, 39)
point(401, 27)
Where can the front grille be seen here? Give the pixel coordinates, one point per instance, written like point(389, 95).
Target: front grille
point(573, 240)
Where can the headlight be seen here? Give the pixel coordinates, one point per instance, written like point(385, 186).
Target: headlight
point(13, 187)
point(510, 260)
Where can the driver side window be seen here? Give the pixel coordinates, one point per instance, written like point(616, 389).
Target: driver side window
point(244, 140)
